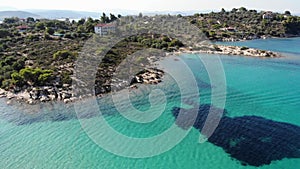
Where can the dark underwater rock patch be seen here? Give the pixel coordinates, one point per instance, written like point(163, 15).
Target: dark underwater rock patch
point(252, 140)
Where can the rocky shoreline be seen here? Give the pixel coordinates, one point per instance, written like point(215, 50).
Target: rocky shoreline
point(35, 95)
point(150, 75)
point(228, 50)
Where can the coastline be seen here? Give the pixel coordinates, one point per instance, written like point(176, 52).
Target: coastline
point(229, 50)
point(152, 76)
point(47, 94)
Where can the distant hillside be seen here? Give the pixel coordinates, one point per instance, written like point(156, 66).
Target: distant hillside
point(238, 24)
point(183, 13)
point(57, 14)
point(19, 14)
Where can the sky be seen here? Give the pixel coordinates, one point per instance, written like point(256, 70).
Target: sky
point(152, 5)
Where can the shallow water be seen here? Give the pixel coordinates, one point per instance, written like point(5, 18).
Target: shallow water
point(54, 138)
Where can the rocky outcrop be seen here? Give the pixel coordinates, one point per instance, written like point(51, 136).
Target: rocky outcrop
point(3, 93)
point(149, 76)
point(229, 50)
point(41, 94)
point(65, 94)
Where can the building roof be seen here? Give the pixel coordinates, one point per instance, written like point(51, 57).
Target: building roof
point(105, 25)
point(22, 27)
point(269, 13)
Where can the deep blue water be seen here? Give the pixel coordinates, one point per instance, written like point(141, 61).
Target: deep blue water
point(286, 45)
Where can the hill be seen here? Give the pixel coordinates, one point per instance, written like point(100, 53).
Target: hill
point(57, 14)
point(242, 23)
point(19, 14)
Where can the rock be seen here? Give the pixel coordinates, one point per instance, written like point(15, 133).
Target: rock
point(67, 101)
point(3, 93)
point(66, 85)
point(23, 95)
point(17, 89)
point(34, 94)
point(133, 86)
point(10, 95)
point(66, 95)
point(73, 99)
point(60, 96)
point(30, 101)
point(138, 80)
point(51, 90)
point(44, 98)
point(29, 63)
point(52, 97)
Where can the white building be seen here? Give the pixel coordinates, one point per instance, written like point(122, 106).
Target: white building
point(268, 15)
point(105, 29)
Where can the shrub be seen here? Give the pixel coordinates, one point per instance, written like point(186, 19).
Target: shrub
point(40, 26)
point(32, 76)
point(66, 78)
point(244, 48)
point(166, 39)
point(163, 45)
point(3, 47)
point(44, 78)
point(146, 42)
point(47, 36)
point(7, 61)
point(4, 33)
point(6, 84)
point(65, 55)
point(18, 65)
point(217, 48)
point(17, 79)
point(50, 31)
point(68, 35)
point(176, 43)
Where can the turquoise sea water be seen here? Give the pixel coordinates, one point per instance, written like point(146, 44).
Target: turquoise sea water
point(268, 88)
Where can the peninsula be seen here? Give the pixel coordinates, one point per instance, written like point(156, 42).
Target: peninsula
point(38, 55)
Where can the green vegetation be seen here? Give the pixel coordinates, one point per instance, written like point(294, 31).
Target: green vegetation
point(28, 77)
point(43, 53)
point(244, 48)
point(65, 55)
point(4, 33)
point(8, 66)
point(246, 24)
point(37, 56)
